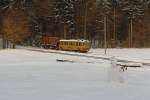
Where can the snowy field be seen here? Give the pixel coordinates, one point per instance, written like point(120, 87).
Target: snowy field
point(128, 53)
point(29, 75)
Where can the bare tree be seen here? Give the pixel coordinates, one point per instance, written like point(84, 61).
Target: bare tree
point(15, 24)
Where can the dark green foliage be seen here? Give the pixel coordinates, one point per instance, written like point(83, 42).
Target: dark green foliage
point(132, 8)
point(70, 17)
point(3, 3)
point(64, 13)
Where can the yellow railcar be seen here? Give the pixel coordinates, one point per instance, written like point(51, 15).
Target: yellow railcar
point(74, 45)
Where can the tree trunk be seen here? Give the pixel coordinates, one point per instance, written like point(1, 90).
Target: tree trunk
point(65, 31)
point(131, 42)
point(105, 34)
point(85, 22)
point(14, 45)
point(4, 41)
point(114, 35)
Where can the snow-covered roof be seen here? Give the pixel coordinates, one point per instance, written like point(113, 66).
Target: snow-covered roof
point(73, 40)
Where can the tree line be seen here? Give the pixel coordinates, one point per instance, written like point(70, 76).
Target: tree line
point(127, 21)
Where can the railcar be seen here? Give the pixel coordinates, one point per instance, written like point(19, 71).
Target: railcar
point(68, 45)
point(50, 42)
point(74, 45)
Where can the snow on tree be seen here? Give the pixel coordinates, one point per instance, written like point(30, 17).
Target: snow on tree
point(64, 14)
point(133, 9)
point(105, 6)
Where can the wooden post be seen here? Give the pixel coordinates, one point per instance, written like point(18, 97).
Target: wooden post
point(105, 34)
point(131, 33)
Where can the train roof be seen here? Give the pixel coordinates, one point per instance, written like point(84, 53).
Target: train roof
point(73, 40)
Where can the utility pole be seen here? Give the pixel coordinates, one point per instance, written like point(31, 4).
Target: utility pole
point(105, 34)
point(85, 21)
point(131, 33)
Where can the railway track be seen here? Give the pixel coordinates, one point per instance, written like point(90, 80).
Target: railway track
point(103, 57)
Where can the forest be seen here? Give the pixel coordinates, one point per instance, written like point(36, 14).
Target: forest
point(122, 23)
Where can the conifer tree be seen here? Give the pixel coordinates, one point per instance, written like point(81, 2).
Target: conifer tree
point(64, 14)
point(133, 9)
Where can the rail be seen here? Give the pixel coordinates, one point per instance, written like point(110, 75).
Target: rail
point(103, 57)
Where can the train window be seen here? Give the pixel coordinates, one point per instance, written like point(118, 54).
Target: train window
point(79, 43)
point(82, 44)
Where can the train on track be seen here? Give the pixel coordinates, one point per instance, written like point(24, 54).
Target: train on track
point(67, 45)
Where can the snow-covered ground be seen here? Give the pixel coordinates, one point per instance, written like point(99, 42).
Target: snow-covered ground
point(128, 53)
point(30, 75)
